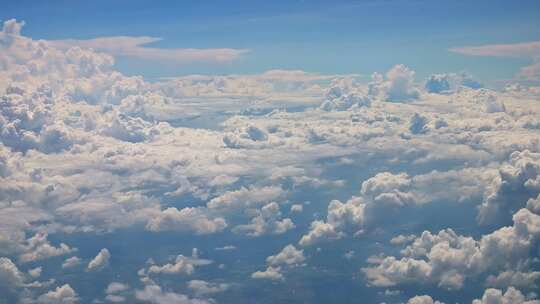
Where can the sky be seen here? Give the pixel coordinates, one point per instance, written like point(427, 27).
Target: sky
point(331, 37)
point(269, 152)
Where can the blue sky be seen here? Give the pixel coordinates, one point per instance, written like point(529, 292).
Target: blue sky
point(315, 36)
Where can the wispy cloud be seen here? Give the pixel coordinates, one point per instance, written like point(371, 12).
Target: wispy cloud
point(127, 46)
point(524, 50)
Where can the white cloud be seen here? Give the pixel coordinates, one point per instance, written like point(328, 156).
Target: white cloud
point(116, 287)
point(448, 259)
point(182, 265)
point(39, 248)
point(289, 255)
point(71, 262)
point(422, 300)
point(396, 86)
point(271, 273)
point(521, 175)
point(510, 296)
point(154, 294)
point(100, 261)
point(35, 272)
point(61, 295)
point(134, 47)
point(187, 219)
point(201, 288)
point(514, 278)
point(526, 49)
point(267, 221)
point(10, 275)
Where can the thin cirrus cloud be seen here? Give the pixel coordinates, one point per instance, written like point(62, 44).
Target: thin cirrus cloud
point(524, 50)
point(135, 47)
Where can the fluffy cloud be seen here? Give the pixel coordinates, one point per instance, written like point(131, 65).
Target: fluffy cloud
point(397, 86)
point(271, 273)
point(447, 83)
point(511, 295)
point(100, 261)
point(448, 259)
point(341, 217)
point(201, 288)
point(39, 248)
point(114, 292)
point(423, 300)
point(154, 294)
point(182, 265)
point(288, 256)
point(267, 221)
point(61, 295)
point(187, 219)
point(10, 276)
point(71, 262)
point(518, 180)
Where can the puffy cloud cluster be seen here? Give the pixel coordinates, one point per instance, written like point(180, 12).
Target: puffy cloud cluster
point(386, 192)
point(84, 148)
point(490, 296)
point(10, 275)
point(289, 256)
point(397, 85)
point(447, 83)
point(511, 295)
point(343, 96)
point(38, 248)
point(448, 259)
point(518, 180)
point(187, 219)
point(61, 295)
point(267, 221)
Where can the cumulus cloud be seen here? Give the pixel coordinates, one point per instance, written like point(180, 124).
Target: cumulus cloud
point(518, 180)
point(39, 248)
point(267, 221)
point(114, 292)
point(156, 295)
point(450, 82)
point(340, 97)
point(182, 265)
point(71, 262)
point(422, 300)
point(449, 259)
point(10, 275)
point(201, 288)
point(100, 261)
point(271, 273)
point(61, 295)
point(397, 85)
point(288, 256)
point(188, 220)
point(511, 295)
